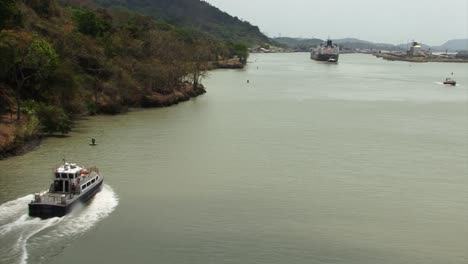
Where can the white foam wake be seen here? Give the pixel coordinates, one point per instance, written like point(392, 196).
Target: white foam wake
point(12, 209)
point(22, 236)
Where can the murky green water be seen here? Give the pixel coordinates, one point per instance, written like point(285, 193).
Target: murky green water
point(361, 162)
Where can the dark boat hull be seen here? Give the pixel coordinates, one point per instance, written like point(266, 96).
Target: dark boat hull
point(45, 211)
point(326, 57)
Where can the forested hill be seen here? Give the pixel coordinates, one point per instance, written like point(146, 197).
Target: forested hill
point(61, 61)
point(195, 14)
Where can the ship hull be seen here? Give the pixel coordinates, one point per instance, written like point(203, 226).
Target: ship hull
point(45, 211)
point(326, 57)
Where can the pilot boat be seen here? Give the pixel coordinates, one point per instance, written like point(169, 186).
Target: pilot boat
point(450, 81)
point(72, 185)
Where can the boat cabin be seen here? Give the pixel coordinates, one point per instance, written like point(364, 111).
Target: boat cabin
point(70, 178)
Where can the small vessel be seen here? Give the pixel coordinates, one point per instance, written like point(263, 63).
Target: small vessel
point(450, 81)
point(326, 52)
point(72, 185)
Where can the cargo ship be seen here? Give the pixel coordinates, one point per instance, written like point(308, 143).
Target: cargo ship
point(326, 52)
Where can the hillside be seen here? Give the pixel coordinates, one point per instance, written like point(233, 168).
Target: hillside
point(454, 45)
point(298, 44)
point(195, 14)
point(63, 62)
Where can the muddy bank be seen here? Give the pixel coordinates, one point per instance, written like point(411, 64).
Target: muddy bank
point(180, 94)
point(228, 64)
point(20, 149)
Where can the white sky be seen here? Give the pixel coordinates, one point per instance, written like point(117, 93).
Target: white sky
point(394, 21)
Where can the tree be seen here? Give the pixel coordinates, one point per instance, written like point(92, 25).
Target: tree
point(26, 58)
point(200, 56)
point(44, 8)
point(239, 50)
point(53, 119)
point(6, 100)
point(91, 24)
point(9, 14)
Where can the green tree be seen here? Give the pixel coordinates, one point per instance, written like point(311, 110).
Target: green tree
point(239, 50)
point(26, 58)
point(89, 23)
point(53, 119)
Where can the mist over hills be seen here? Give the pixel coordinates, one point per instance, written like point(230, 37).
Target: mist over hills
point(195, 14)
point(301, 44)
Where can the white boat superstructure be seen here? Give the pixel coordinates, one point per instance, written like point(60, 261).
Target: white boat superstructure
point(71, 183)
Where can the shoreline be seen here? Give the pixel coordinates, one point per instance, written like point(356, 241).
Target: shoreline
point(182, 93)
point(20, 149)
point(11, 147)
point(396, 57)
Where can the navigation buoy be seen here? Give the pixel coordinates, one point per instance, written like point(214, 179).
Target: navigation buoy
point(93, 142)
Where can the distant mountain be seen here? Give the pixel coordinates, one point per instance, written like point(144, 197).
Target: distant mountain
point(195, 14)
point(350, 40)
point(451, 45)
point(300, 44)
point(455, 45)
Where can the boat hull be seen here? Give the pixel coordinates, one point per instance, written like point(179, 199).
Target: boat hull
point(326, 57)
point(45, 211)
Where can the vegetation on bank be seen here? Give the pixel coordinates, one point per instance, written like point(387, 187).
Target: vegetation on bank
point(195, 14)
point(59, 62)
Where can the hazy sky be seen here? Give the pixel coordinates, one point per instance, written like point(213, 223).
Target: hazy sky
point(392, 21)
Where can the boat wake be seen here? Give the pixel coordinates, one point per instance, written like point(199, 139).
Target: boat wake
point(23, 237)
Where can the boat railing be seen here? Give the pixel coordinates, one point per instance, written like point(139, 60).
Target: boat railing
point(93, 169)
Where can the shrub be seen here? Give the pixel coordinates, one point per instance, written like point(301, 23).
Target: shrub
point(89, 23)
point(28, 129)
point(53, 119)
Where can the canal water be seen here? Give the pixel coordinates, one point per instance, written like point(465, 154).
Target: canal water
point(365, 161)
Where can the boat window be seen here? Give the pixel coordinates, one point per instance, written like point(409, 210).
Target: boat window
point(57, 175)
point(97, 178)
point(94, 180)
point(83, 187)
point(70, 176)
point(64, 175)
point(88, 184)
